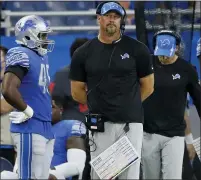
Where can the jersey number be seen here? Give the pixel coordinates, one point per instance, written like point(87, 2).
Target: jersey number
point(44, 74)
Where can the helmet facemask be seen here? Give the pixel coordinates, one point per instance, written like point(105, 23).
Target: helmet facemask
point(43, 44)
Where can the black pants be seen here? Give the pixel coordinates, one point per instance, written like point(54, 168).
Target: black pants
point(187, 168)
point(87, 169)
point(191, 172)
point(9, 154)
point(197, 167)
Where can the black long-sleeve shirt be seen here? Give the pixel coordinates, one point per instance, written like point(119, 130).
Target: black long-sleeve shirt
point(164, 109)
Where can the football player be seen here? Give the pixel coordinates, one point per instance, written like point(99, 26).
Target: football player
point(69, 149)
point(25, 87)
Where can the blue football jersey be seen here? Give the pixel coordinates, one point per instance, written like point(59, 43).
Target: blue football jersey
point(62, 131)
point(34, 90)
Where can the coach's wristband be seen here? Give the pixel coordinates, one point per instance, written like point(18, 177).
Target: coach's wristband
point(28, 111)
point(189, 138)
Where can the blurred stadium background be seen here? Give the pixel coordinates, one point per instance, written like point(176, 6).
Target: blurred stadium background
point(72, 19)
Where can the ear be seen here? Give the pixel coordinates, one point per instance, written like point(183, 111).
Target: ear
point(98, 19)
point(177, 48)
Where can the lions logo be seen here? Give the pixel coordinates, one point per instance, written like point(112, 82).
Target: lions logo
point(165, 42)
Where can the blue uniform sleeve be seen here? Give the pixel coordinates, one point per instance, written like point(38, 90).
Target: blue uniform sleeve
point(198, 49)
point(17, 57)
point(78, 129)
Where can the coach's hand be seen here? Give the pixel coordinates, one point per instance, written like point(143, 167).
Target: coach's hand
point(191, 151)
point(19, 117)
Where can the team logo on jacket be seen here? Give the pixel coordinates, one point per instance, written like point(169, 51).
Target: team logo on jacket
point(176, 76)
point(125, 56)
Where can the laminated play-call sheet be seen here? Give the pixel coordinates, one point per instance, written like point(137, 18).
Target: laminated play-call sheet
point(114, 160)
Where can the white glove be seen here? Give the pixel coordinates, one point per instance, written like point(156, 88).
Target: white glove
point(19, 117)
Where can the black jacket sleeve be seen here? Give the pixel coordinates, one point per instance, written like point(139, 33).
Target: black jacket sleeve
point(194, 89)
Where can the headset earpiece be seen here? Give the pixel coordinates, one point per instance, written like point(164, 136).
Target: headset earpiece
point(123, 20)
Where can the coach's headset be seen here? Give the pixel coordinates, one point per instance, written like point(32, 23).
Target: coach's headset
point(123, 18)
point(167, 32)
point(122, 29)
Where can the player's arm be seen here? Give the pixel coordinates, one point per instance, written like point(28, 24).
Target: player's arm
point(76, 146)
point(78, 77)
point(5, 107)
point(145, 72)
point(10, 91)
point(194, 89)
point(76, 154)
point(17, 66)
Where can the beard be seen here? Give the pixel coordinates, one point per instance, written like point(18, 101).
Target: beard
point(111, 29)
point(164, 59)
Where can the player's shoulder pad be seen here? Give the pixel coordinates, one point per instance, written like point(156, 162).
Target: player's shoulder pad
point(18, 56)
point(78, 128)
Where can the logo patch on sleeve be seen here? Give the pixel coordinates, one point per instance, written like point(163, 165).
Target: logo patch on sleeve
point(78, 128)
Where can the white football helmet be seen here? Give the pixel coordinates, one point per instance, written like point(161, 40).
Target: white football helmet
point(32, 31)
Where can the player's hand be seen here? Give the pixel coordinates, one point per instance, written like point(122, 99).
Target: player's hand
point(191, 151)
point(20, 117)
